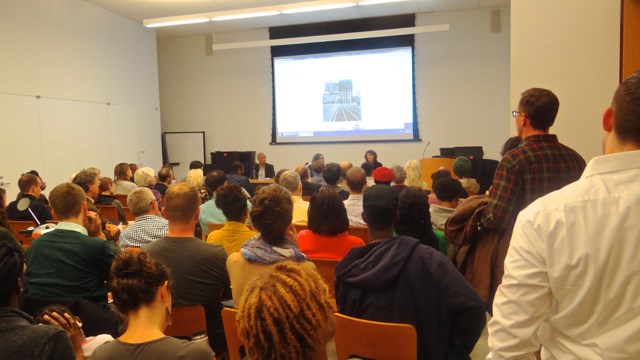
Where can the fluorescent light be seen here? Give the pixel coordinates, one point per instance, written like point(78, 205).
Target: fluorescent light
point(376, 2)
point(318, 8)
point(245, 15)
point(178, 22)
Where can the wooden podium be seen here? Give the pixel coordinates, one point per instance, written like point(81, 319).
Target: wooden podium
point(430, 165)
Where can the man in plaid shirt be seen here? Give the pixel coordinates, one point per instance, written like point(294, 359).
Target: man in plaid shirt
point(537, 167)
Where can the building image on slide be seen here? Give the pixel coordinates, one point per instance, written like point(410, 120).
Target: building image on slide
point(339, 103)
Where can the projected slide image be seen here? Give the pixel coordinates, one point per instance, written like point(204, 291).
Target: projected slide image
point(338, 102)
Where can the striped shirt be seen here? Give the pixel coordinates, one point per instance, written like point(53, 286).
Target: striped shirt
point(145, 230)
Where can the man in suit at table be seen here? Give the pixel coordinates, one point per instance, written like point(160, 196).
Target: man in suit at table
point(262, 170)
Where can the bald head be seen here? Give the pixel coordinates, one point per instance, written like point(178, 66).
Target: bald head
point(356, 180)
point(181, 203)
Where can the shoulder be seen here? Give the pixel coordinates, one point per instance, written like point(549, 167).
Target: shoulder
point(354, 240)
point(186, 349)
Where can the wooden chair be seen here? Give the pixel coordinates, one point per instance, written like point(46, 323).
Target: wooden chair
point(374, 340)
point(128, 215)
point(122, 198)
point(187, 320)
point(109, 212)
point(234, 344)
point(327, 270)
point(360, 231)
point(16, 226)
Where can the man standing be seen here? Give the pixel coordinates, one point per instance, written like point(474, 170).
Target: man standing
point(262, 170)
point(199, 269)
point(149, 225)
point(29, 186)
point(571, 279)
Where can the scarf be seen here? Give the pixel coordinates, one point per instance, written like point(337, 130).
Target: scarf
point(256, 250)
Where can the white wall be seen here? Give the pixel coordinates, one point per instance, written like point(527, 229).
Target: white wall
point(571, 47)
point(77, 57)
point(462, 91)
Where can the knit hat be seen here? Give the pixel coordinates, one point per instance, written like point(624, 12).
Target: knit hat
point(462, 166)
point(383, 175)
point(380, 204)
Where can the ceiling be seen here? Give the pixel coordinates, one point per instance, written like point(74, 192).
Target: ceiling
point(147, 9)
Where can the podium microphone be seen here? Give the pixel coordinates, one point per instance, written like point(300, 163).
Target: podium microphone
point(425, 149)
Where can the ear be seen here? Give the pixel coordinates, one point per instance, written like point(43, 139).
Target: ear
point(607, 120)
point(164, 212)
point(196, 215)
point(84, 208)
point(364, 218)
point(164, 290)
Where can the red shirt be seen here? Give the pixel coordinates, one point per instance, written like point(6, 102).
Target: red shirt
point(327, 247)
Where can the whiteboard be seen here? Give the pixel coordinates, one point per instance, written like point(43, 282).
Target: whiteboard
point(180, 148)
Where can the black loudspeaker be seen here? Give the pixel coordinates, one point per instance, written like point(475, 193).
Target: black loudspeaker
point(222, 160)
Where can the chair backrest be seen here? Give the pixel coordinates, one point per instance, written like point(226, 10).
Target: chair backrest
point(211, 227)
point(16, 226)
point(234, 344)
point(122, 198)
point(360, 231)
point(127, 214)
point(109, 212)
point(187, 320)
point(327, 270)
point(374, 340)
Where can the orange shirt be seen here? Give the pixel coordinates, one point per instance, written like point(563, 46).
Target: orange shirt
point(327, 247)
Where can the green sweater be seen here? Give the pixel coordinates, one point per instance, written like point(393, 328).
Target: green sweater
point(66, 263)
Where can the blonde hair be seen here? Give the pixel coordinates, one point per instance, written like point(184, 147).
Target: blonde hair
point(195, 178)
point(285, 314)
point(143, 176)
point(414, 174)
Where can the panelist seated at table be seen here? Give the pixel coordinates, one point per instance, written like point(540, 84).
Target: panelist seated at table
point(262, 170)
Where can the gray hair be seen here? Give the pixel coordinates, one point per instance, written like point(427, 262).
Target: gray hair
point(399, 174)
point(290, 180)
point(139, 201)
point(143, 176)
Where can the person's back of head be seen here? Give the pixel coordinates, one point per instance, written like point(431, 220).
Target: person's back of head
point(447, 189)
point(440, 174)
point(12, 262)
point(462, 167)
point(414, 173)
point(626, 111)
point(276, 179)
point(414, 218)
point(67, 200)
point(290, 180)
point(317, 166)
point(511, 143)
point(540, 106)
point(85, 180)
point(181, 204)
point(272, 213)
point(95, 171)
point(133, 167)
point(165, 174)
point(139, 201)
point(196, 164)
point(380, 207)
point(399, 174)
point(303, 171)
point(143, 176)
point(27, 182)
point(345, 166)
point(382, 175)
point(356, 180)
point(332, 173)
point(195, 178)
point(327, 213)
point(285, 314)
point(237, 168)
point(121, 172)
point(232, 202)
point(105, 184)
point(215, 179)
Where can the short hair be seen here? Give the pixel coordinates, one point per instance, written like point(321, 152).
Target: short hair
point(511, 143)
point(34, 172)
point(143, 176)
point(139, 201)
point(94, 170)
point(540, 106)
point(356, 179)
point(181, 202)
point(215, 179)
point(462, 166)
point(196, 164)
point(367, 167)
point(332, 173)
point(135, 279)
point(84, 179)
point(399, 174)
point(440, 174)
point(414, 218)
point(290, 180)
point(447, 189)
point(327, 214)
point(317, 156)
point(12, 261)
point(195, 178)
point(345, 166)
point(120, 172)
point(380, 207)
point(237, 165)
point(66, 200)
point(266, 324)
point(372, 152)
point(276, 179)
point(165, 173)
point(626, 108)
point(272, 213)
point(303, 171)
point(27, 181)
point(231, 201)
point(317, 166)
point(105, 184)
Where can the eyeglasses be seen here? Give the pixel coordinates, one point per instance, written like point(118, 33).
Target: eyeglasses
point(515, 113)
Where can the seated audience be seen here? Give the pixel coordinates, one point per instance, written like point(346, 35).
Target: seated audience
point(263, 170)
point(414, 219)
point(317, 167)
point(141, 293)
point(315, 157)
point(308, 188)
point(43, 185)
point(344, 167)
point(327, 236)
point(90, 185)
point(209, 211)
point(331, 175)
point(95, 171)
point(382, 176)
point(234, 233)
point(29, 186)
point(414, 174)
point(195, 179)
point(447, 191)
point(276, 179)
point(134, 168)
point(198, 268)
point(398, 279)
point(371, 157)
point(399, 176)
point(271, 216)
point(20, 338)
point(165, 179)
point(237, 176)
point(106, 197)
point(5, 233)
point(196, 164)
point(146, 177)
point(462, 170)
point(290, 180)
point(273, 331)
point(149, 225)
point(123, 176)
point(356, 180)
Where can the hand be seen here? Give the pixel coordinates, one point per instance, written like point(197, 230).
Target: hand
point(292, 234)
point(112, 229)
point(93, 225)
point(67, 323)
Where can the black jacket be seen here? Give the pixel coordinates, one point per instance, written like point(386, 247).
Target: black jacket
point(269, 171)
point(38, 209)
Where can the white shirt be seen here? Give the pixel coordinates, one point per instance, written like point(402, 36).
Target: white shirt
point(354, 210)
point(572, 272)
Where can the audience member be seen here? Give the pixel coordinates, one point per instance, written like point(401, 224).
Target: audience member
point(123, 175)
point(95, 171)
point(90, 185)
point(195, 179)
point(315, 157)
point(317, 167)
point(414, 219)
point(290, 180)
point(196, 164)
point(141, 293)
point(331, 175)
point(146, 177)
point(414, 174)
point(397, 279)
point(5, 233)
point(296, 323)
point(198, 268)
point(165, 179)
point(234, 233)
point(149, 225)
point(511, 143)
point(344, 167)
point(263, 170)
point(209, 212)
point(447, 191)
point(382, 176)
point(271, 216)
point(399, 176)
point(462, 170)
point(308, 188)
point(327, 236)
point(43, 185)
point(571, 273)
point(356, 180)
point(106, 197)
point(276, 179)
point(371, 157)
point(29, 186)
point(134, 168)
point(237, 176)
point(20, 338)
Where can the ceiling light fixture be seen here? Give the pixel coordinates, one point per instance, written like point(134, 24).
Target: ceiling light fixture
point(376, 2)
point(318, 8)
point(176, 22)
point(245, 15)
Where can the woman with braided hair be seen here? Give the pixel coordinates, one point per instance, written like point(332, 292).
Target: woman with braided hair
point(285, 314)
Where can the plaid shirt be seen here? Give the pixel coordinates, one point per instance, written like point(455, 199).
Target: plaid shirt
point(539, 166)
point(145, 230)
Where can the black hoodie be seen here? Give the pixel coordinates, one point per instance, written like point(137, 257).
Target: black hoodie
point(402, 281)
